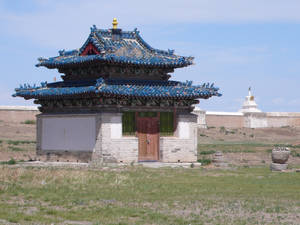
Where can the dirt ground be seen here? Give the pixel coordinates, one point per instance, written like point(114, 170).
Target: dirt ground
point(248, 146)
point(17, 141)
point(243, 146)
point(282, 135)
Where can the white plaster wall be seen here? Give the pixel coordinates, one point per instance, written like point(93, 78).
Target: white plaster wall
point(68, 133)
point(116, 127)
point(183, 146)
point(183, 129)
point(201, 117)
point(116, 147)
point(258, 122)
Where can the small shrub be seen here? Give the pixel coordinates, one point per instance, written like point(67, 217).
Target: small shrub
point(203, 135)
point(1, 141)
point(252, 135)
point(192, 165)
point(204, 161)
point(295, 154)
point(29, 122)
point(212, 127)
point(209, 152)
point(222, 129)
point(12, 161)
point(269, 150)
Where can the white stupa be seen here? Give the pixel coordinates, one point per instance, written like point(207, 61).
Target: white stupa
point(249, 104)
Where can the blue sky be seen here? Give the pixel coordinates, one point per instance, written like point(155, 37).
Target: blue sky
point(236, 43)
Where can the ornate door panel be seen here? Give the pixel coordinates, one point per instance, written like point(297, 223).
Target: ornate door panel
point(147, 128)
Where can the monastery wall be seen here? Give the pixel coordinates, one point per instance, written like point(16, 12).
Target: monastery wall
point(279, 119)
point(18, 114)
point(225, 119)
point(249, 119)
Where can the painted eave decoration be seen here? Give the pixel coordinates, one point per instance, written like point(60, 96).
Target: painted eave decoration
point(114, 46)
point(118, 88)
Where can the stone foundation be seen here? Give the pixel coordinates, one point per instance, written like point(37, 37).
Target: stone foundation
point(64, 156)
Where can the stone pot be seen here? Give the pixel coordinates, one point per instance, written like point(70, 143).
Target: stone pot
point(280, 155)
point(278, 166)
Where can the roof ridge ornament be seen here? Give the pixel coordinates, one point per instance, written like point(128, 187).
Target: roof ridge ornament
point(93, 28)
point(115, 23)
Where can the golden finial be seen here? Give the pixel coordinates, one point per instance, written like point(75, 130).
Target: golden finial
point(115, 23)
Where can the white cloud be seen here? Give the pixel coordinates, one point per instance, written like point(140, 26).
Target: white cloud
point(294, 102)
point(239, 101)
point(278, 101)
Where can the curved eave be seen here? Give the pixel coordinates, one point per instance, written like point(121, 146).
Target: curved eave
point(114, 91)
point(119, 60)
point(55, 93)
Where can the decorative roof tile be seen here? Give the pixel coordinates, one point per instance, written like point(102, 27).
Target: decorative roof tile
point(128, 48)
point(119, 88)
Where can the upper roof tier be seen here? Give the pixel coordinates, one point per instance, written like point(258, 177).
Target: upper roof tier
point(114, 46)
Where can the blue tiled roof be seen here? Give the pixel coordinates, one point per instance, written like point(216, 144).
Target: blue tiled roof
point(129, 49)
point(129, 88)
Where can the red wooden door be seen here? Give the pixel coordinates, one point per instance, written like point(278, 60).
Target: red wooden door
point(147, 128)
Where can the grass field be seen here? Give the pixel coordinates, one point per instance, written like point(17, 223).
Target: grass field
point(135, 195)
point(246, 193)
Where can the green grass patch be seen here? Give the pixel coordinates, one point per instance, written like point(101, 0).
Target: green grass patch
point(29, 122)
point(15, 149)
point(209, 152)
point(18, 142)
point(136, 195)
point(234, 147)
point(222, 129)
point(269, 150)
point(230, 132)
point(295, 154)
point(211, 127)
point(204, 161)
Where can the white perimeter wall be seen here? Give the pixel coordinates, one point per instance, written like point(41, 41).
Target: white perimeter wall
point(248, 119)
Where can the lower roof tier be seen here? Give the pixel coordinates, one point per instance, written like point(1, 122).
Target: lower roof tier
point(118, 88)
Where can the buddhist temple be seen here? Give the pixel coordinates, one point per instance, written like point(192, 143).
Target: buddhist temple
point(116, 102)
